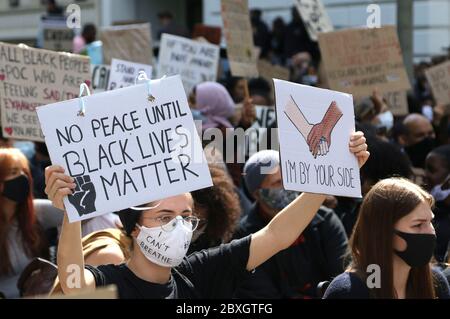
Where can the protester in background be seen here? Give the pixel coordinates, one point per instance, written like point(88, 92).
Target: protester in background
point(219, 210)
point(152, 272)
point(53, 9)
point(296, 39)
point(168, 25)
point(315, 256)
point(417, 139)
point(236, 88)
point(437, 170)
point(386, 160)
point(261, 33)
point(88, 35)
point(21, 237)
point(260, 92)
point(394, 233)
point(5, 142)
point(276, 55)
point(38, 163)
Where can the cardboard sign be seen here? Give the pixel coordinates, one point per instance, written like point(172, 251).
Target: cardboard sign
point(124, 73)
point(439, 78)
point(239, 38)
point(397, 102)
point(32, 77)
point(100, 77)
point(210, 33)
point(314, 16)
point(195, 61)
point(128, 149)
point(57, 36)
point(270, 71)
point(314, 129)
point(127, 42)
point(358, 60)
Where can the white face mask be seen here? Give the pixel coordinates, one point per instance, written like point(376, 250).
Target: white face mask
point(386, 120)
point(165, 248)
point(440, 194)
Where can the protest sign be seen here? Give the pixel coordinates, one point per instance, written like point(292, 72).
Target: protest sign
point(270, 71)
point(239, 38)
point(314, 17)
point(100, 77)
point(265, 118)
point(127, 42)
point(130, 148)
point(397, 102)
point(57, 36)
point(32, 77)
point(124, 73)
point(314, 129)
point(357, 60)
point(439, 78)
point(195, 61)
point(210, 33)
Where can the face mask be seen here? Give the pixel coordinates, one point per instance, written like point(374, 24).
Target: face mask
point(419, 250)
point(440, 194)
point(165, 248)
point(419, 151)
point(310, 79)
point(277, 198)
point(386, 120)
point(17, 189)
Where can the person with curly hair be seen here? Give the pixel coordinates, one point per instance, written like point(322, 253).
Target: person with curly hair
point(219, 211)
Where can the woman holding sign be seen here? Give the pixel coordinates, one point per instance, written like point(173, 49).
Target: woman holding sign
point(391, 247)
point(162, 231)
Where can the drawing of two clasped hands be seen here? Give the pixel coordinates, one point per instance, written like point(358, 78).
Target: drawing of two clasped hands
point(317, 136)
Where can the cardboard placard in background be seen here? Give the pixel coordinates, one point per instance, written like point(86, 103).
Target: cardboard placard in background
point(131, 42)
point(397, 102)
point(358, 60)
point(314, 16)
point(324, 120)
point(239, 38)
point(124, 73)
point(195, 61)
point(32, 77)
point(127, 150)
point(439, 78)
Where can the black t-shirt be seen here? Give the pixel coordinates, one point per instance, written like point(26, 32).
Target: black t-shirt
point(349, 285)
point(210, 273)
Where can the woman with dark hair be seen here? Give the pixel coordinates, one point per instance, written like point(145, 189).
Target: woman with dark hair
point(21, 237)
point(437, 175)
point(219, 210)
point(391, 247)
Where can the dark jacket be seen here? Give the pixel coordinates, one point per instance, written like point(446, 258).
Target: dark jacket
point(317, 255)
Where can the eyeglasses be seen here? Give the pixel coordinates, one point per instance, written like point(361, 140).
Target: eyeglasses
point(168, 223)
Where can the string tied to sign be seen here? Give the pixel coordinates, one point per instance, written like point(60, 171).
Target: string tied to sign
point(83, 88)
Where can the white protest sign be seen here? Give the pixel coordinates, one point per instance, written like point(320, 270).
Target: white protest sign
point(100, 77)
point(314, 17)
point(195, 61)
point(265, 118)
point(32, 77)
point(128, 149)
point(314, 129)
point(124, 73)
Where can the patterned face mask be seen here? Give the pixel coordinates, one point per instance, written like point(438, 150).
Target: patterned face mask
point(277, 198)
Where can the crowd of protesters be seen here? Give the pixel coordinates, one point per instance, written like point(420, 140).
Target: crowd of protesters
point(247, 237)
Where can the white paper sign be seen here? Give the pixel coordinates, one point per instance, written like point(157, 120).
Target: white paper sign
point(314, 16)
point(265, 118)
point(123, 73)
point(100, 77)
point(128, 149)
point(195, 61)
point(314, 129)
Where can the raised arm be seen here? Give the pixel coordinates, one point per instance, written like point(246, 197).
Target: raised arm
point(290, 222)
point(72, 275)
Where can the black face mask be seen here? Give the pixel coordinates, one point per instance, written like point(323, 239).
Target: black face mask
point(419, 151)
point(419, 250)
point(17, 189)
